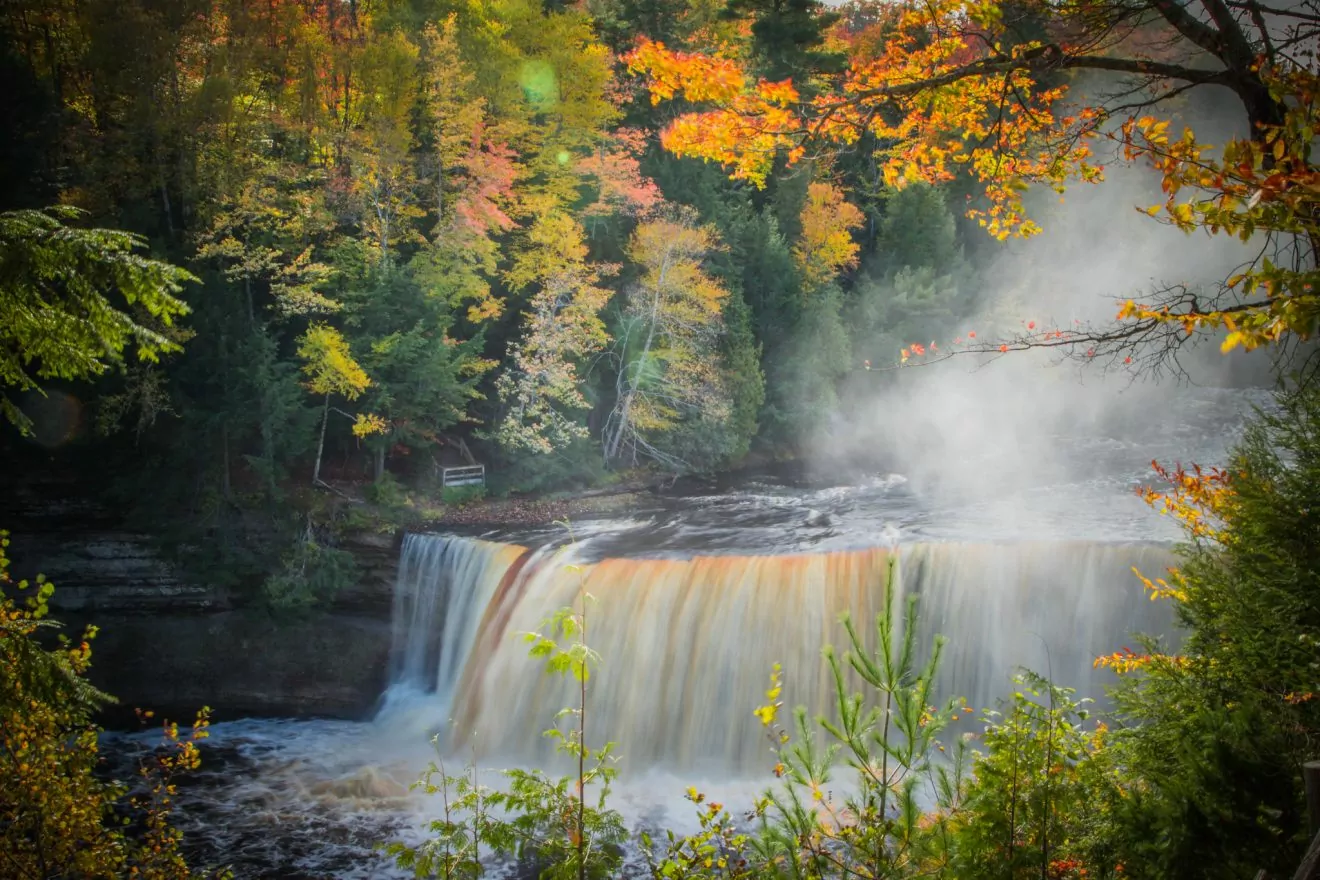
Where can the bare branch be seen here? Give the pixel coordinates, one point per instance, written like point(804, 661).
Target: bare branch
point(1051, 57)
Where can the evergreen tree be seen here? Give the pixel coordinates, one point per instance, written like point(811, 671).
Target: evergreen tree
point(803, 378)
point(422, 379)
point(788, 36)
point(1215, 736)
point(59, 321)
point(917, 286)
point(919, 231)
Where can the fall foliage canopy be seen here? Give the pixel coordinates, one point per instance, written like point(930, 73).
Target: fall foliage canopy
point(937, 89)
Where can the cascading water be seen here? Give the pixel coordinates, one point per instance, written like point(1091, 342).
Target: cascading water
point(442, 589)
point(688, 644)
point(753, 572)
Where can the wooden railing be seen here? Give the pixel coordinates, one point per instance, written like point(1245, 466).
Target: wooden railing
point(472, 475)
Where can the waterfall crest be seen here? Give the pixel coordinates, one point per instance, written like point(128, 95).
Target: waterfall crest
point(688, 644)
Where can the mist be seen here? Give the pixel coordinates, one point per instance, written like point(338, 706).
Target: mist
point(983, 427)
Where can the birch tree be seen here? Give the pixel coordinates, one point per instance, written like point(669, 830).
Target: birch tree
point(542, 386)
point(669, 365)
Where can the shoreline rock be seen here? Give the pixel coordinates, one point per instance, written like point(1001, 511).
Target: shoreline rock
point(535, 511)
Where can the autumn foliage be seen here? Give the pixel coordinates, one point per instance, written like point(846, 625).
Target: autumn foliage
point(938, 89)
point(827, 245)
point(58, 816)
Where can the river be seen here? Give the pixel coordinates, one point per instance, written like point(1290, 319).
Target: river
point(696, 595)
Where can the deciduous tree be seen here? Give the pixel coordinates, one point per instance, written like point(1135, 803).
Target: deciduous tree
point(826, 246)
point(669, 369)
point(541, 386)
point(57, 815)
point(957, 85)
point(331, 369)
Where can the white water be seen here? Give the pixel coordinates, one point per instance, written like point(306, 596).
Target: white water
point(688, 624)
point(688, 644)
point(687, 647)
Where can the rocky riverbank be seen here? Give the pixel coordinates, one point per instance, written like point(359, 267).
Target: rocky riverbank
point(173, 646)
point(538, 511)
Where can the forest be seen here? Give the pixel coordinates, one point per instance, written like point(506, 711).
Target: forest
point(417, 234)
point(262, 257)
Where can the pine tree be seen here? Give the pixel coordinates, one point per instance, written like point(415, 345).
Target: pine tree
point(56, 283)
point(1216, 735)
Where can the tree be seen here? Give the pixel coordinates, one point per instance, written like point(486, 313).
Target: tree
point(1039, 786)
point(918, 231)
point(267, 234)
point(462, 256)
point(910, 310)
point(826, 246)
point(455, 109)
point(918, 286)
point(57, 815)
point(788, 36)
point(331, 369)
point(669, 370)
point(805, 371)
point(1215, 734)
point(562, 825)
point(540, 385)
point(743, 378)
point(384, 177)
point(55, 287)
point(982, 97)
point(851, 784)
point(621, 188)
point(422, 379)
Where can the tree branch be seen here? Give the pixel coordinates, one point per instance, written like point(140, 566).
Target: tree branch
point(1256, 8)
point(1190, 27)
point(1052, 57)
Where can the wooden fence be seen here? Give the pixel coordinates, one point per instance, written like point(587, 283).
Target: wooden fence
point(472, 475)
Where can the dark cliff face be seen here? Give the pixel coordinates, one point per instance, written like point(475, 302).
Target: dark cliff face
point(173, 647)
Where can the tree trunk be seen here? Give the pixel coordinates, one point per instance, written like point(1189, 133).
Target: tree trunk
point(383, 215)
point(380, 463)
point(625, 412)
point(466, 453)
point(225, 485)
point(320, 447)
point(165, 203)
point(439, 190)
point(612, 448)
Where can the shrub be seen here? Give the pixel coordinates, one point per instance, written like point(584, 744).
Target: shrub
point(562, 826)
point(58, 818)
point(312, 574)
point(458, 496)
point(884, 731)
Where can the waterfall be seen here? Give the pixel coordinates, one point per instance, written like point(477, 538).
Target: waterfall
point(688, 644)
point(443, 586)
